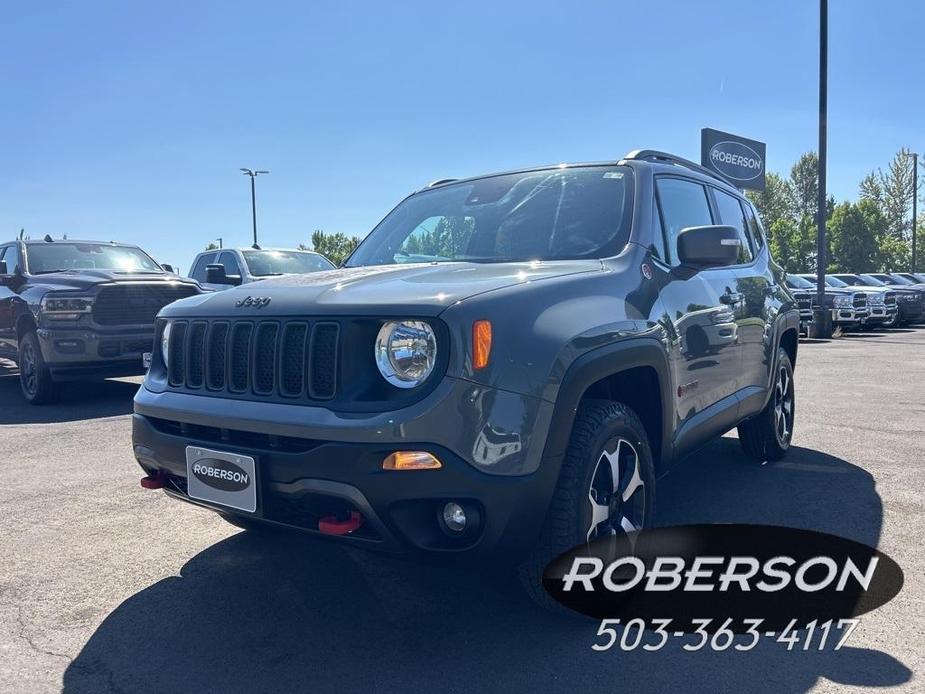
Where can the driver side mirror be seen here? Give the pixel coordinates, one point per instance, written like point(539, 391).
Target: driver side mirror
point(709, 246)
point(215, 274)
point(167, 267)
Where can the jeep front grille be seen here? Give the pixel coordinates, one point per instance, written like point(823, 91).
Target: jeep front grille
point(136, 304)
point(263, 358)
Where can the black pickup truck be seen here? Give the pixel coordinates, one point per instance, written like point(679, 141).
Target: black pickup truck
point(78, 309)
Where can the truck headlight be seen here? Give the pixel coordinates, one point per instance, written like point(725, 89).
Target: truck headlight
point(66, 307)
point(843, 301)
point(406, 352)
point(165, 344)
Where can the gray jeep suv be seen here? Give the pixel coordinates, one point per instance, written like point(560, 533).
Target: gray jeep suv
point(505, 365)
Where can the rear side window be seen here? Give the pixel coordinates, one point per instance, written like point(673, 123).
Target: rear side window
point(730, 213)
point(683, 204)
point(199, 270)
point(754, 225)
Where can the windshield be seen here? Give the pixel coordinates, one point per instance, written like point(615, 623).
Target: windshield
point(870, 281)
point(795, 282)
point(60, 256)
point(267, 263)
point(844, 280)
point(898, 279)
point(836, 282)
point(554, 214)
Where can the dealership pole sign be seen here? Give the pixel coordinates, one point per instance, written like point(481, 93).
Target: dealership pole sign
point(739, 160)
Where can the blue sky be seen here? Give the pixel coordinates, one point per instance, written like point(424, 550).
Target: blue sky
point(127, 121)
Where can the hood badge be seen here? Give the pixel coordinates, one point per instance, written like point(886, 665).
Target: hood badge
point(255, 301)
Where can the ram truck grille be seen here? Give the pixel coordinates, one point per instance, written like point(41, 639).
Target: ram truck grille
point(136, 304)
point(260, 358)
point(859, 301)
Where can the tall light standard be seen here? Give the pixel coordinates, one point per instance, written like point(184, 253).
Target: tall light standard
point(822, 320)
point(253, 175)
point(915, 202)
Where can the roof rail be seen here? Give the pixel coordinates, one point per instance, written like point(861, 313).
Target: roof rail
point(655, 155)
point(441, 181)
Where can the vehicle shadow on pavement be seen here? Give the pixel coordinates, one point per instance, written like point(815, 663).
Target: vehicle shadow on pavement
point(79, 400)
point(280, 613)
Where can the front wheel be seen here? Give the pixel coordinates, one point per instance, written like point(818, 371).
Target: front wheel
point(606, 487)
point(34, 377)
point(767, 435)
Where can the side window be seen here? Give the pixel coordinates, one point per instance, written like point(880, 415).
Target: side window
point(730, 212)
point(754, 225)
point(683, 204)
point(658, 248)
point(230, 262)
point(199, 269)
point(11, 257)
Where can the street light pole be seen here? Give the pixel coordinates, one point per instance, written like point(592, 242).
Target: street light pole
point(253, 175)
point(915, 201)
point(822, 318)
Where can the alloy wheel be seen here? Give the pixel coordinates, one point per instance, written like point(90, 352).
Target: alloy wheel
point(783, 405)
point(28, 370)
point(617, 493)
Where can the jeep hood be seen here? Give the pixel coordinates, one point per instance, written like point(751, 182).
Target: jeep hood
point(420, 289)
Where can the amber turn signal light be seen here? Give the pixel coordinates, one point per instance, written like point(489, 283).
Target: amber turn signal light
point(481, 343)
point(411, 460)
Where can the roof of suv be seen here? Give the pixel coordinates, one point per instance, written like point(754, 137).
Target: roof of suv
point(660, 162)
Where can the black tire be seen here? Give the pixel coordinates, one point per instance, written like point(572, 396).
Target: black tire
point(35, 380)
point(893, 322)
point(598, 424)
point(766, 436)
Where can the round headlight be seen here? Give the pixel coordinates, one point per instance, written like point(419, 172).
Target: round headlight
point(406, 352)
point(165, 344)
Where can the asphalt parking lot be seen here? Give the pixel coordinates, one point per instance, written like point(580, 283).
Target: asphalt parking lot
point(107, 587)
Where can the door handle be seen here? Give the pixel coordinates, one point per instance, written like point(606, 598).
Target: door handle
point(730, 298)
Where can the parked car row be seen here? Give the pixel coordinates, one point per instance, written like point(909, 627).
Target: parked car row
point(85, 309)
point(862, 301)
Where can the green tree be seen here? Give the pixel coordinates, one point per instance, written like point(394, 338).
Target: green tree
point(212, 246)
point(335, 247)
point(803, 186)
point(772, 203)
point(793, 244)
point(853, 243)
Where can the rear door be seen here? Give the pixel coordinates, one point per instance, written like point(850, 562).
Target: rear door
point(751, 294)
point(706, 357)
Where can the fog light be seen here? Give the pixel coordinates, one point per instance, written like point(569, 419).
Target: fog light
point(411, 460)
point(454, 517)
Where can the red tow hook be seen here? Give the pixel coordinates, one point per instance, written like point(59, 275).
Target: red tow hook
point(330, 525)
point(155, 481)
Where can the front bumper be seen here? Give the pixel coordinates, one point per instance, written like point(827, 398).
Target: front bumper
point(301, 481)
point(82, 351)
point(849, 316)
